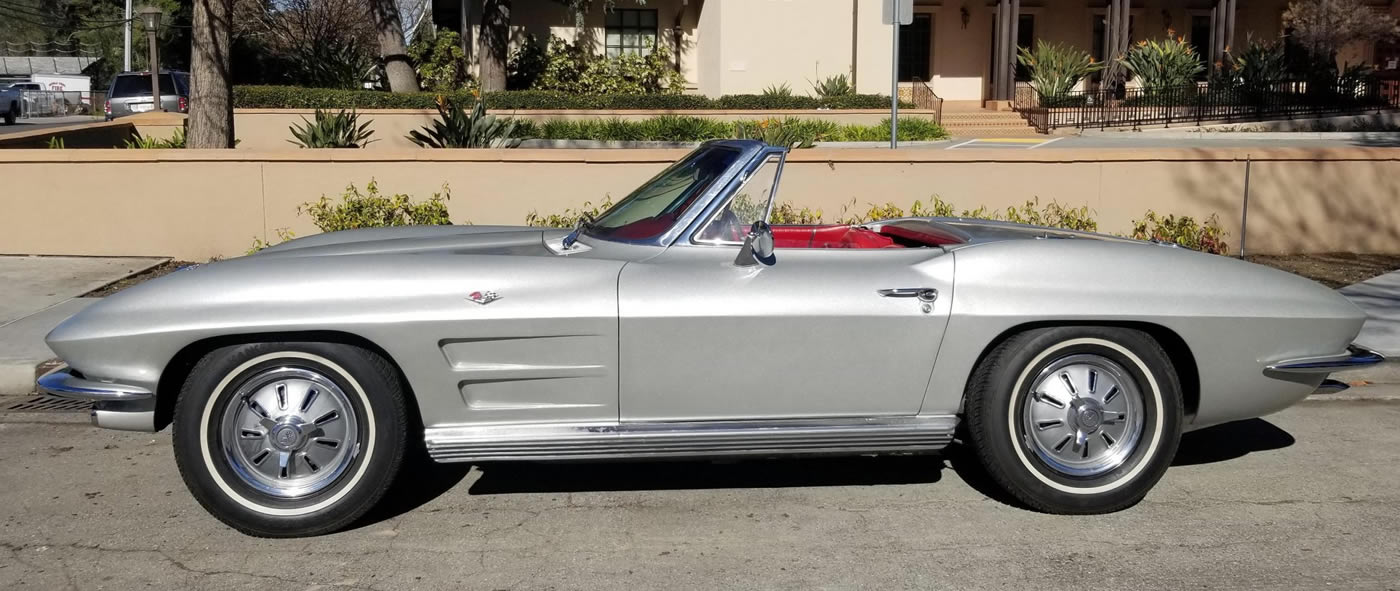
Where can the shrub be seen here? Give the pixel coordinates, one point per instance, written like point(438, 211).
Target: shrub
point(1161, 65)
point(373, 210)
point(332, 130)
point(440, 61)
point(779, 91)
point(456, 128)
point(526, 64)
point(1052, 215)
point(683, 128)
point(790, 133)
point(174, 142)
point(572, 68)
point(1260, 65)
point(1205, 236)
point(292, 97)
point(1056, 68)
point(838, 85)
point(57, 143)
point(283, 235)
point(570, 217)
point(786, 213)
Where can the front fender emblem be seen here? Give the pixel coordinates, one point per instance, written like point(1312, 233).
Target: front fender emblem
point(483, 297)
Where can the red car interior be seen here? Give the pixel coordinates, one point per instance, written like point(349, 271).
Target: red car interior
point(844, 236)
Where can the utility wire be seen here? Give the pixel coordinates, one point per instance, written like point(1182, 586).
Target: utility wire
point(21, 18)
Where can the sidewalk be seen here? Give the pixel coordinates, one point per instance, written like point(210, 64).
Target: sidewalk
point(1380, 298)
point(37, 293)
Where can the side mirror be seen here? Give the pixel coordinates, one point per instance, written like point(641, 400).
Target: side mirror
point(758, 246)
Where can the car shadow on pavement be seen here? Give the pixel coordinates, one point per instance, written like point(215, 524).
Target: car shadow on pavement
point(1230, 441)
point(508, 478)
point(1210, 445)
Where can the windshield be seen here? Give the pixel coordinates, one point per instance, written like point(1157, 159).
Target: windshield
point(655, 206)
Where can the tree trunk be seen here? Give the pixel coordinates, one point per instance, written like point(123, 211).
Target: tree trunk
point(495, 43)
point(211, 78)
point(391, 46)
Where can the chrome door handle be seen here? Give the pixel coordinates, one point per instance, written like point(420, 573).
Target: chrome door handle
point(925, 294)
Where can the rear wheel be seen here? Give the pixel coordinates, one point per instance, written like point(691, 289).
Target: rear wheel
point(290, 439)
point(11, 114)
point(1076, 419)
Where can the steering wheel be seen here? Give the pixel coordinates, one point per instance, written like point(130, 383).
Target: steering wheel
point(731, 227)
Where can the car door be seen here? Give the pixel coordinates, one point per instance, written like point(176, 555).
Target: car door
point(809, 335)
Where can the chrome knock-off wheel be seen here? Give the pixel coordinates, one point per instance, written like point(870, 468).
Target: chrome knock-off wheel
point(1083, 416)
point(289, 432)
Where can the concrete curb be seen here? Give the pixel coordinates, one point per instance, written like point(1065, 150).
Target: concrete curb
point(1199, 134)
point(655, 145)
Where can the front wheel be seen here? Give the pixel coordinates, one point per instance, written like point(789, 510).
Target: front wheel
point(1076, 420)
point(11, 114)
point(290, 439)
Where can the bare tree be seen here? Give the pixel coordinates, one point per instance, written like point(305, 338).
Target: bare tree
point(397, 66)
point(1325, 26)
point(211, 77)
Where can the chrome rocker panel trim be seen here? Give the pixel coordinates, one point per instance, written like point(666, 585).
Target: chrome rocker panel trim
point(592, 441)
point(64, 384)
point(1354, 357)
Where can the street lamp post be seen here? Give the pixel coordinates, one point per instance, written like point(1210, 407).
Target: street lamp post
point(150, 16)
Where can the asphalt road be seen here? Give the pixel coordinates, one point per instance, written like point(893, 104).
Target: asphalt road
point(1307, 499)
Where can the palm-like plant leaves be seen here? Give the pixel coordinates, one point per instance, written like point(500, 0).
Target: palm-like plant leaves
point(457, 128)
point(332, 130)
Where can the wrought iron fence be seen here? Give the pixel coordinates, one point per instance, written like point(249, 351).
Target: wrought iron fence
point(55, 103)
point(1196, 104)
point(923, 97)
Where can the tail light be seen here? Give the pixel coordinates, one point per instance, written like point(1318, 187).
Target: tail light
point(184, 105)
point(107, 107)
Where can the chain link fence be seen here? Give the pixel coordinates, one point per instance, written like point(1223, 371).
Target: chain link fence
point(34, 104)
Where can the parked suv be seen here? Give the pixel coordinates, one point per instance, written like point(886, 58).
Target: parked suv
point(130, 93)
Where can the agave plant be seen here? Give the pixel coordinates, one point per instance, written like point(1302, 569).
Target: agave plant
point(1056, 68)
point(332, 130)
point(838, 85)
point(457, 128)
point(778, 90)
point(1160, 65)
point(1261, 64)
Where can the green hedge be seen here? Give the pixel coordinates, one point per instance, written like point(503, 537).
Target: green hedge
point(293, 97)
point(680, 128)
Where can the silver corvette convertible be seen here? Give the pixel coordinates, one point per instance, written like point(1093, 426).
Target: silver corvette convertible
point(680, 324)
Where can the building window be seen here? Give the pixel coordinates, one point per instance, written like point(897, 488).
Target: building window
point(631, 32)
point(1200, 40)
point(915, 45)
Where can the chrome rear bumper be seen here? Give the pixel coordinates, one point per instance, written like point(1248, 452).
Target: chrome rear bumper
point(1355, 356)
point(114, 406)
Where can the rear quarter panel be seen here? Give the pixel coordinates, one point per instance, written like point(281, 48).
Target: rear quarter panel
point(1235, 317)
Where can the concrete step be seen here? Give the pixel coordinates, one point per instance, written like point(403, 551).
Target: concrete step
point(22, 347)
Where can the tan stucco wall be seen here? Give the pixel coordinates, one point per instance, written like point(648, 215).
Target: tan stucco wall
point(227, 198)
point(267, 129)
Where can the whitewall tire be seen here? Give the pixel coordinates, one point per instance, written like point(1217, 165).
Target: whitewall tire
point(290, 439)
point(1077, 419)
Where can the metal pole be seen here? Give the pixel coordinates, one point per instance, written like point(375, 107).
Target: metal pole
point(155, 70)
point(894, 80)
point(126, 39)
point(1244, 214)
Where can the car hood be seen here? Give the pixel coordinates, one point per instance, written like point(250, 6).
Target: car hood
point(501, 240)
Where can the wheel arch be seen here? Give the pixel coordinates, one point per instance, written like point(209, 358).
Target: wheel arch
point(1183, 360)
point(177, 370)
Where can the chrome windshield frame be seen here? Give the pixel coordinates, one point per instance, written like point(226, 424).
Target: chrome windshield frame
point(751, 152)
point(736, 182)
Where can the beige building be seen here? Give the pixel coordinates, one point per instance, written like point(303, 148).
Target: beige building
point(961, 48)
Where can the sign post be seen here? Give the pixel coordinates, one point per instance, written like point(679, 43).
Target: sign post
point(896, 13)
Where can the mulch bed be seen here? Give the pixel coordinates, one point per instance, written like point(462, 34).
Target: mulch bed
point(151, 273)
point(1333, 269)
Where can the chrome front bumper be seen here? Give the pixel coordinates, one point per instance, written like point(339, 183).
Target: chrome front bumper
point(114, 406)
point(1355, 357)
